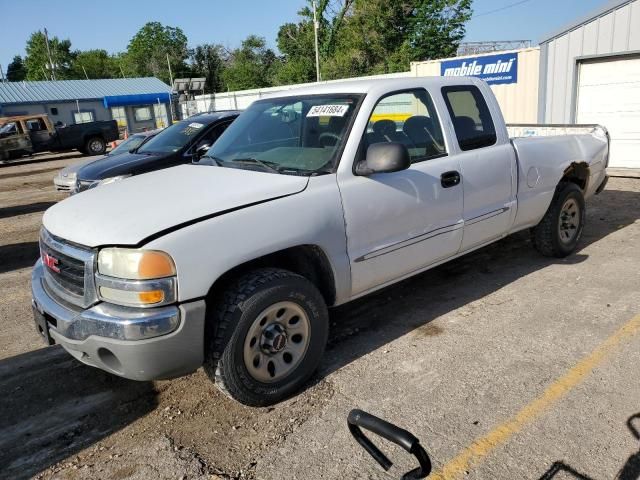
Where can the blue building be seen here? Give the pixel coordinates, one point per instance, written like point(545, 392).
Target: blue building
point(135, 103)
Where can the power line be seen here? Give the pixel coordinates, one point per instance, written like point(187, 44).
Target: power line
point(511, 5)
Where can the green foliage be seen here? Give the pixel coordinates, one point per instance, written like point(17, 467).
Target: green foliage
point(148, 49)
point(437, 27)
point(37, 62)
point(208, 60)
point(97, 64)
point(16, 70)
point(355, 37)
point(250, 66)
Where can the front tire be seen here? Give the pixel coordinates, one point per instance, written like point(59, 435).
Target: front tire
point(95, 146)
point(266, 336)
point(559, 231)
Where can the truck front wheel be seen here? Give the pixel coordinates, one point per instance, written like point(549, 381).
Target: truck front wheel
point(95, 146)
point(266, 338)
point(559, 231)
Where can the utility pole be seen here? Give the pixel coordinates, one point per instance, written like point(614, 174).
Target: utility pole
point(2, 79)
point(85, 72)
point(315, 35)
point(122, 71)
point(170, 74)
point(53, 68)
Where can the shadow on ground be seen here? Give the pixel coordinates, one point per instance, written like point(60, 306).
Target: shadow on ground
point(369, 323)
point(629, 471)
point(66, 408)
point(41, 159)
point(7, 212)
point(18, 255)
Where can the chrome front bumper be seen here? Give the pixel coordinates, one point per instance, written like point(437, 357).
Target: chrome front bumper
point(141, 344)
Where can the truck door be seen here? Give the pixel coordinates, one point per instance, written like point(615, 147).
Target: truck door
point(487, 165)
point(399, 223)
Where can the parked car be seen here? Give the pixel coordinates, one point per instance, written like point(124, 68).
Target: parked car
point(28, 134)
point(308, 200)
point(180, 143)
point(65, 180)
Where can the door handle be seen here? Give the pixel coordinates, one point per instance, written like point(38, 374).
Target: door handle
point(450, 179)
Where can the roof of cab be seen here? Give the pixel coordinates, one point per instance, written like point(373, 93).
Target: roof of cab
point(374, 85)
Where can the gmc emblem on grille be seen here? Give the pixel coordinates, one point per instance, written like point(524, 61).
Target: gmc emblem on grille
point(51, 262)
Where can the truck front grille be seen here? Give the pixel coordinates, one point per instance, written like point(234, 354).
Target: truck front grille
point(68, 270)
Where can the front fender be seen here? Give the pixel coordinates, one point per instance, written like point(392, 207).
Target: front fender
point(204, 251)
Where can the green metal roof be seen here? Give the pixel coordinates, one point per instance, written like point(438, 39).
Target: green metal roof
point(12, 93)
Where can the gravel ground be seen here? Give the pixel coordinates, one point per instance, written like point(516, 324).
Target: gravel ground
point(451, 355)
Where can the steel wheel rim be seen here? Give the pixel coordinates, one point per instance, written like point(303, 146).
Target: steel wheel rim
point(95, 146)
point(569, 222)
point(276, 342)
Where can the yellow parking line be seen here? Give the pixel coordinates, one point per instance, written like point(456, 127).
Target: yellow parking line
point(480, 448)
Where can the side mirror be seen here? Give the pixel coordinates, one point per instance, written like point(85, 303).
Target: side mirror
point(202, 149)
point(384, 158)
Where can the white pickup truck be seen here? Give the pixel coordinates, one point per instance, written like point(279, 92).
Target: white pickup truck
point(308, 200)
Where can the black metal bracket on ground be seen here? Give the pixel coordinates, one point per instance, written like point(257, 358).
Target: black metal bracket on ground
point(358, 419)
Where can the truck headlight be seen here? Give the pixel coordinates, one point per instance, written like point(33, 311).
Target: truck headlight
point(136, 277)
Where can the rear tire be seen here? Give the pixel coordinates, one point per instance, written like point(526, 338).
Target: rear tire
point(559, 231)
point(95, 146)
point(265, 336)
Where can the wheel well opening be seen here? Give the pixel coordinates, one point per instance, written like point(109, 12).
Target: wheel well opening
point(308, 261)
point(577, 173)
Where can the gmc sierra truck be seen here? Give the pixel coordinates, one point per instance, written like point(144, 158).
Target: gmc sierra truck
point(308, 200)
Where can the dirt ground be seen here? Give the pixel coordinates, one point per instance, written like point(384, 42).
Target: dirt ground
point(453, 355)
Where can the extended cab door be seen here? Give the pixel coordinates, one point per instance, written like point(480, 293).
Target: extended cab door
point(399, 223)
point(487, 162)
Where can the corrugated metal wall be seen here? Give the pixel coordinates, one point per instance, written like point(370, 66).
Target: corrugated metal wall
point(518, 101)
point(616, 32)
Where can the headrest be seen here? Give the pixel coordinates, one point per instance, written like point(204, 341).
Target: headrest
point(384, 127)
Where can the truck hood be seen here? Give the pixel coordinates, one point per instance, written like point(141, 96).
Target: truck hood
point(130, 211)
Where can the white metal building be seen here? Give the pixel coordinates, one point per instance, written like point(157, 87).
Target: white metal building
point(518, 99)
point(590, 73)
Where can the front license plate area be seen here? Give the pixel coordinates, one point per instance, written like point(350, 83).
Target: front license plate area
point(42, 327)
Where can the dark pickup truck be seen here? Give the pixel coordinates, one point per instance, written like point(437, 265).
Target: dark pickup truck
point(27, 134)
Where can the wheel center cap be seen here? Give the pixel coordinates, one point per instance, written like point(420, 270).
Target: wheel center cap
point(274, 338)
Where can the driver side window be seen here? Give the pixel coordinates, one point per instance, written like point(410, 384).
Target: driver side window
point(408, 117)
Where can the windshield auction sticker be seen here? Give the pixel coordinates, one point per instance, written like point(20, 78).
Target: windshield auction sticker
point(328, 111)
point(196, 125)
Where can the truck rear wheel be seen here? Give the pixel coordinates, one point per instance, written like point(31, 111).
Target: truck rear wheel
point(267, 336)
point(559, 231)
point(95, 146)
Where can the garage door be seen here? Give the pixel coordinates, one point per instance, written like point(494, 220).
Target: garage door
point(609, 94)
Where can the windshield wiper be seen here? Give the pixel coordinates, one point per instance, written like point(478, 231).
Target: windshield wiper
point(255, 161)
point(210, 160)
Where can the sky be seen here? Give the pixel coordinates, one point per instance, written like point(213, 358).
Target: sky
point(110, 25)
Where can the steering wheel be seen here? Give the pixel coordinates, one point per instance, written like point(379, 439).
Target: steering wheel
point(334, 138)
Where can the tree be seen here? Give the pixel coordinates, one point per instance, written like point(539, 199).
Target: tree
point(364, 37)
point(208, 60)
point(96, 64)
point(250, 66)
point(436, 28)
point(16, 70)
point(37, 60)
point(148, 49)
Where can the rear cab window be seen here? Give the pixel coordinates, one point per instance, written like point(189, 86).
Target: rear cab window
point(471, 117)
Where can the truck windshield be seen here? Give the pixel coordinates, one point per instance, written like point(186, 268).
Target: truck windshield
point(292, 135)
point(173, 138)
